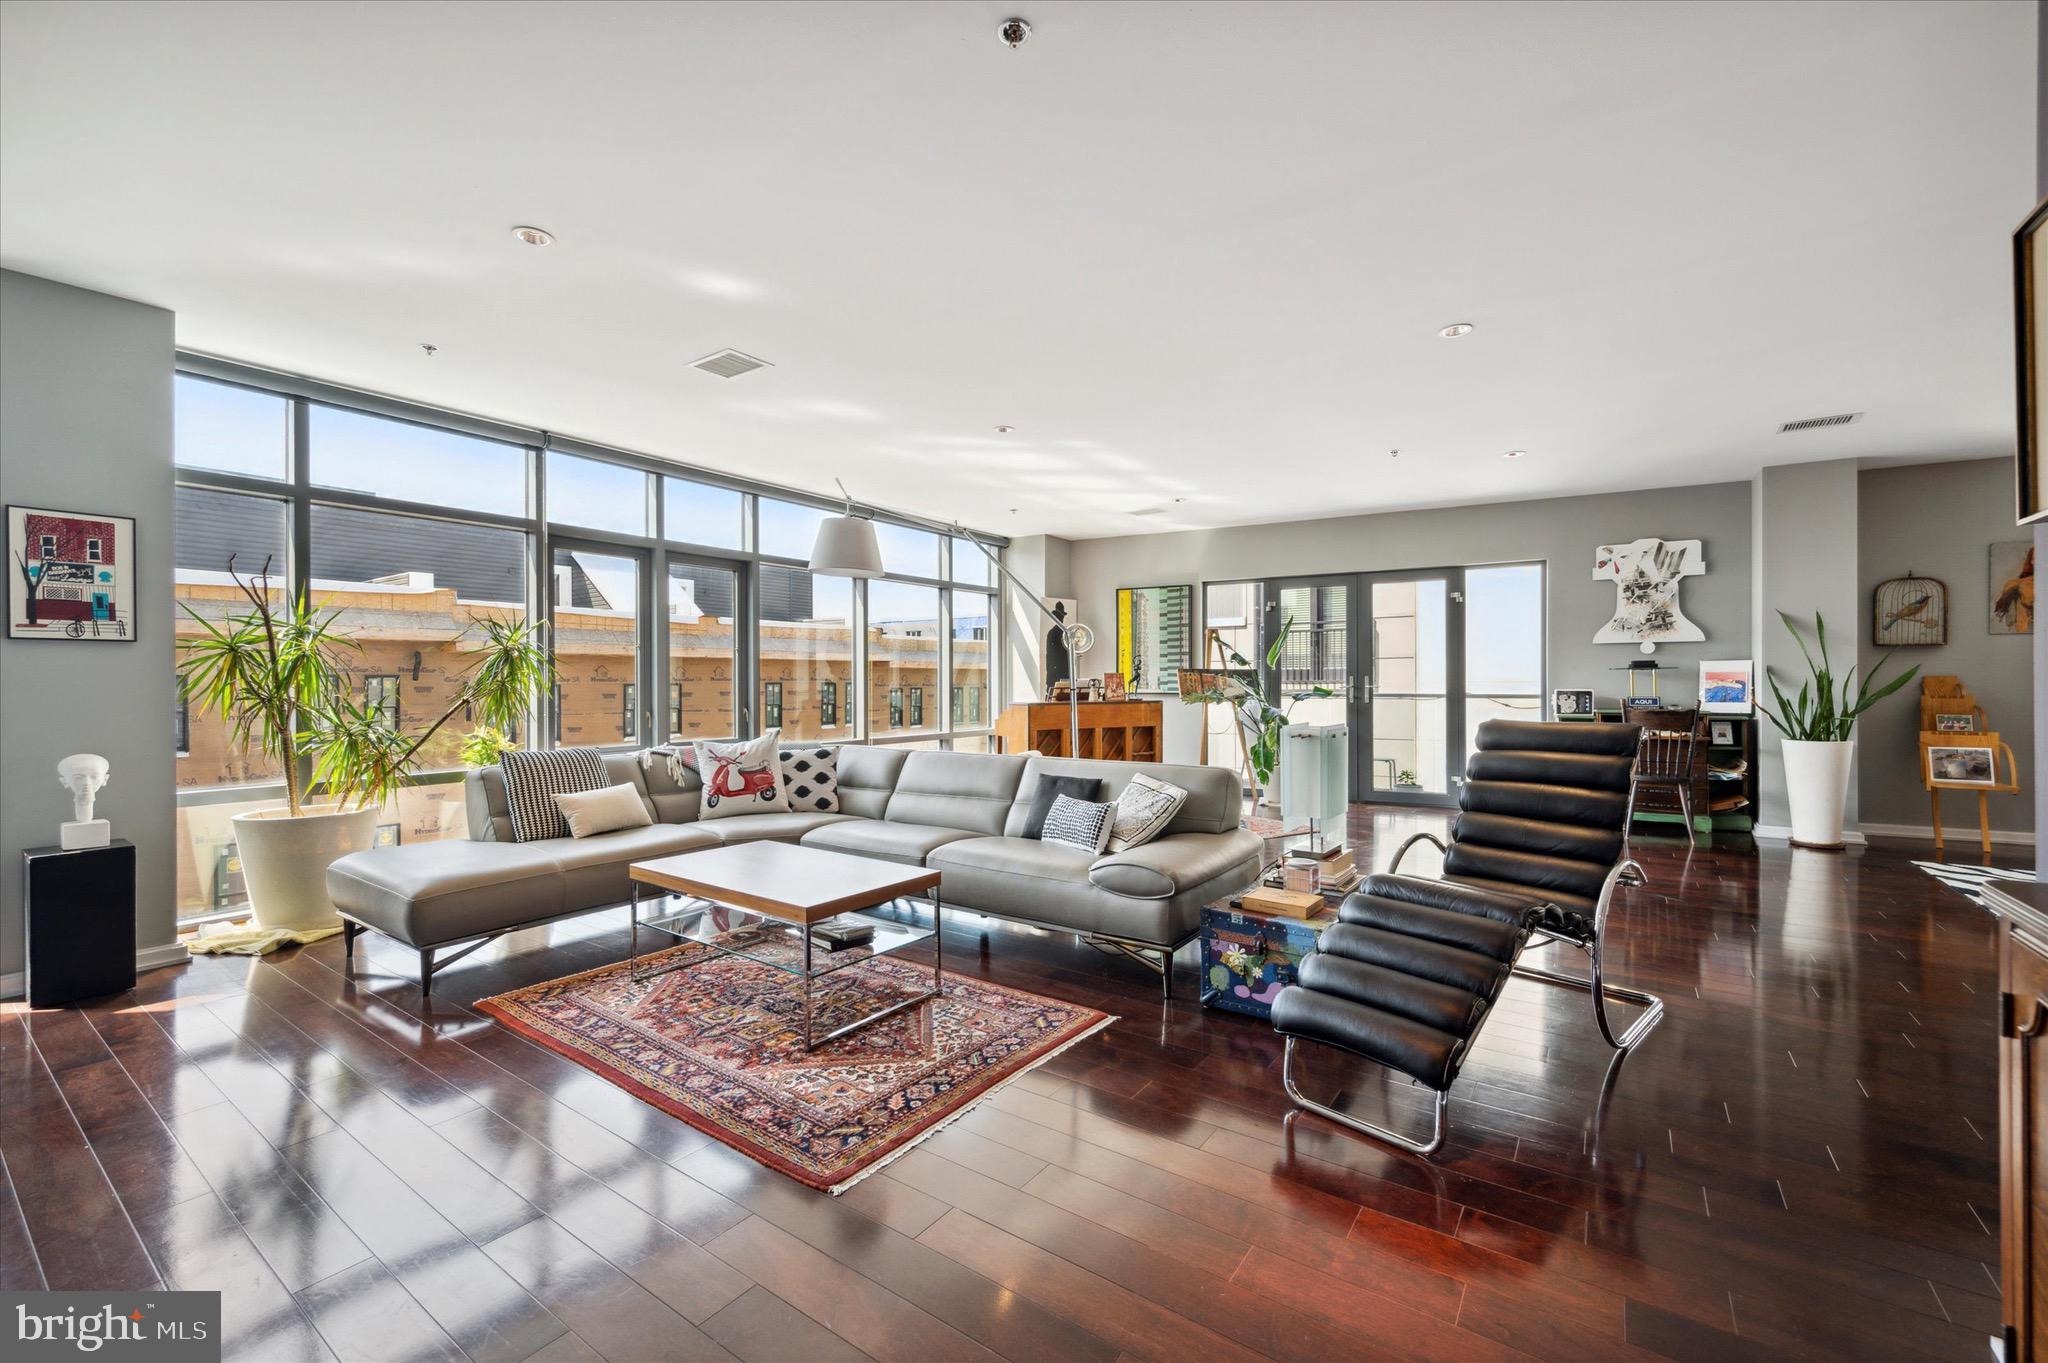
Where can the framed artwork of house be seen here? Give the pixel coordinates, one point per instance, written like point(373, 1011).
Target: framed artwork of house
point(71, 576)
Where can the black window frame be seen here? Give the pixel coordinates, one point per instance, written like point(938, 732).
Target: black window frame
point(828, 704)
point(393, 712)
point(771, 705)
point(895, 707)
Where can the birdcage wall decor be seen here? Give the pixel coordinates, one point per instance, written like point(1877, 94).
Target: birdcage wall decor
point(1909, 611)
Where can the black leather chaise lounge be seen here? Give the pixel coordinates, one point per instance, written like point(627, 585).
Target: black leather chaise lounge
point(1408, 974)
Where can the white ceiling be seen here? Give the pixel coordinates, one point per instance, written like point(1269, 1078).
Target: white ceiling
point(1187, 251)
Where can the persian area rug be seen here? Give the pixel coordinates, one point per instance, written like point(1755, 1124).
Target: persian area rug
point(1969, 881)
point(718, 1043)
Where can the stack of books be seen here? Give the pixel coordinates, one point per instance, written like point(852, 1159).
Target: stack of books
point(837, 935)
point(1328, 870)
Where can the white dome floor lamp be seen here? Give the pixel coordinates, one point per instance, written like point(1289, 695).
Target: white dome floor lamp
point(846, 547)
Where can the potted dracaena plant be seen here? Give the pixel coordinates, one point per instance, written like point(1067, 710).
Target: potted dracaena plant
point(273, 674)
point(1262, 720)
point(1818, 724)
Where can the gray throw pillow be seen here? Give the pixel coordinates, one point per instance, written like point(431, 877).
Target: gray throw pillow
point(1050, 788)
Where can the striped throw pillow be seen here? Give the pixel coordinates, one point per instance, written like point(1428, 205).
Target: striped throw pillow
point(535, 776)
point(1078, 823)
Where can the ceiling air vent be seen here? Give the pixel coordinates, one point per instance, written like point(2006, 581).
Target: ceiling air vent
point(1816, 423)
point(728, 364)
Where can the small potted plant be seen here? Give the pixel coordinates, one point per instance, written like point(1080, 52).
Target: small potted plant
point(1818, 725)
point(272, 674)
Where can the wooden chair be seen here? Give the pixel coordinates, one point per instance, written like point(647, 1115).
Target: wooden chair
point(1671, 740)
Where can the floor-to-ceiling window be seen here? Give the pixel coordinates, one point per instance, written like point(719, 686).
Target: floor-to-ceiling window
point(679, 606)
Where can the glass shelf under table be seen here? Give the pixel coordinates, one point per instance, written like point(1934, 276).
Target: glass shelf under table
point(776, 942)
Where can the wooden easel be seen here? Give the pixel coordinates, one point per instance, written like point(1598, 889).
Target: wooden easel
point(1213, 656)
point(2009, 786)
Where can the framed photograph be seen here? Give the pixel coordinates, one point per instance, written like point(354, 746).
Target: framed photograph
point(386, 835)
point(1721, 733)
point(1154, 636)
point(2012, 587)
point(2029, 272)
point(1955, 724)
point(1726, 688)
point(71, 576)
point(1571, 703)
point(1958, 764)
point(1112, 686)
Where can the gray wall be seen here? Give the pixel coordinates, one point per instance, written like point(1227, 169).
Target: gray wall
point(85, 425)
point(1561, 532)
point(1806, 566)
point(1939, 520)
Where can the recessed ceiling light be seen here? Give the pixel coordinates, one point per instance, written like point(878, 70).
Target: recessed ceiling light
point(1515, 454)
point(534, 236)
point(1004, 430)
point(1455, 330)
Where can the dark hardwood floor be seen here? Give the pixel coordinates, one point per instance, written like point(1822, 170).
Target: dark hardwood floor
point(1796, 1165)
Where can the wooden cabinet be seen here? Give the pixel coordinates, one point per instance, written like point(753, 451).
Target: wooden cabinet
point(2023, 1115)
point(1111, 730)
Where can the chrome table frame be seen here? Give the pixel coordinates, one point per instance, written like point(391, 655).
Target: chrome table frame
point(811, 1043)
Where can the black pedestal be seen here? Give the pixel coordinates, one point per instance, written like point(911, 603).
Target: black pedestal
point(80, 910)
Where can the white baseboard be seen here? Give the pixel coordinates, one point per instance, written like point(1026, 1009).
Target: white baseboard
point(1953, 832)
point(15, 982)
point(1771, 832)
point(168, 953)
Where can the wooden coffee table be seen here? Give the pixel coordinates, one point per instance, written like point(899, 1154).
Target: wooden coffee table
point(750, 899)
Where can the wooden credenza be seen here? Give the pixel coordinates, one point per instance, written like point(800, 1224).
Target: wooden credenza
point(1112, 730)
point(2023, 1114)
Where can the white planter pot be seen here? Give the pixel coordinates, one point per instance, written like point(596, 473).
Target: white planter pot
point(1817, 785)
point(285, 860)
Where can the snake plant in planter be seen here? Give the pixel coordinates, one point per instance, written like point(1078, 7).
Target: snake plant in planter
point(1818, 724)
point(273, 674)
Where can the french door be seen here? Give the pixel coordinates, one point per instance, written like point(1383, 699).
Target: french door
point(1403, 660)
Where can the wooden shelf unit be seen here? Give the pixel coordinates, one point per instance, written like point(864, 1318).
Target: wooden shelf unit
point(1111, 730)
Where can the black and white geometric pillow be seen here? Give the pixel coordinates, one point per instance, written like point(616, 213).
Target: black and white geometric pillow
point(1144, 809)
point(810, 777)
point(535, 776)
point(1079, 823)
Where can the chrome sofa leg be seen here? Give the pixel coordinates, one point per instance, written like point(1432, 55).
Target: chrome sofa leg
point(1379, 1133)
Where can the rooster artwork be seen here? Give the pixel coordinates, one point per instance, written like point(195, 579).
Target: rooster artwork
point(2012, 587)
point(1646, 574)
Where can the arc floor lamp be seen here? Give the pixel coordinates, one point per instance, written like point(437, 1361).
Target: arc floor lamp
point(846, 547)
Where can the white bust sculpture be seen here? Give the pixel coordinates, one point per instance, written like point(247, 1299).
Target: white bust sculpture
point(83, 774)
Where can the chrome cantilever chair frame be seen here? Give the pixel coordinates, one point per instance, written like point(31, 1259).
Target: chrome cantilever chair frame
point(1624, 872)
point(1592, 984)
point(1437, 1129)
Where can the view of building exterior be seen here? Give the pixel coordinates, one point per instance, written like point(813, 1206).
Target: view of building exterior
point(411, 634)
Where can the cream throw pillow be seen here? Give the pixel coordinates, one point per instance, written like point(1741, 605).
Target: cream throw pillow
point(742, 778)
point(603, 811)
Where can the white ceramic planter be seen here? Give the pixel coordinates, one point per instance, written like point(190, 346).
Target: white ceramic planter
point(285, 860)
point(1817, 786)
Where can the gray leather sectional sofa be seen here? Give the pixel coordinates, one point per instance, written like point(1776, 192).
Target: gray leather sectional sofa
point(960, 813)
